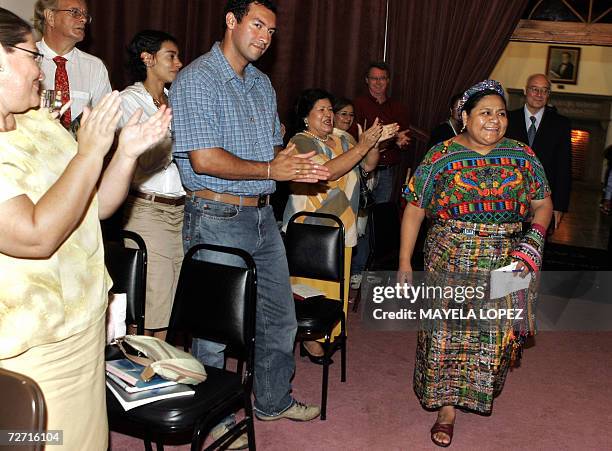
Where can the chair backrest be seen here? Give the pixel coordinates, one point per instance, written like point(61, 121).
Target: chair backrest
point(128, 269)
point(215, 301)
point(315, 248)
point(23, 405)
point(384, 226)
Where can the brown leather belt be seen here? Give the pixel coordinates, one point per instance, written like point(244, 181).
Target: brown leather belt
point(245, 201)
point(159, 198)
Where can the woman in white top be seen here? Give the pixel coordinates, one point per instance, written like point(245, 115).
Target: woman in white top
point(154, 208)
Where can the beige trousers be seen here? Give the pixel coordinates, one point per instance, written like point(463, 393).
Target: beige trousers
point(70, 374)
point(161, 227)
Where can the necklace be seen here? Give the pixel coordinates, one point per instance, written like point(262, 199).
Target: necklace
point(312, 135)
point(158, 102)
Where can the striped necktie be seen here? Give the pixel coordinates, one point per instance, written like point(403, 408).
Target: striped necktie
point(62, 84)
point(532, 130)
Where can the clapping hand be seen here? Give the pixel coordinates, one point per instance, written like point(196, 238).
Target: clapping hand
point(98, 125)
point(137, 137)
point(388, 132)
point(403, 138)
point(289, 166)
point(372, 135)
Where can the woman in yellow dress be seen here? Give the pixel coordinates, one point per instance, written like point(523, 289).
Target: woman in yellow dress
point(53, 192)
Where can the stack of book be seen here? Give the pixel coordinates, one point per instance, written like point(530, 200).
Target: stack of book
point(302, 292)
point(123, 380)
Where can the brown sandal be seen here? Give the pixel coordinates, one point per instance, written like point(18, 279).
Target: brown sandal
point(445, 429)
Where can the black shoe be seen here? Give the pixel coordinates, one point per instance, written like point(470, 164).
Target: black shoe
point(317, 359)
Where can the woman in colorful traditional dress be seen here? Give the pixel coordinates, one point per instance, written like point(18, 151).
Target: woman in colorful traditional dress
point(477, 189)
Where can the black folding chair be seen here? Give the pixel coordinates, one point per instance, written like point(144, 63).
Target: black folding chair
point(128, 268)
point(316, 251)
point(215, 302)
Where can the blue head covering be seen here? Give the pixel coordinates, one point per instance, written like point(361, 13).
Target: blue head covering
point(493, 85)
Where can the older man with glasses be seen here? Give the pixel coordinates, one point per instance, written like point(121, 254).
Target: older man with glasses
point(79, 76)
point(391, 170)
point(549, 135)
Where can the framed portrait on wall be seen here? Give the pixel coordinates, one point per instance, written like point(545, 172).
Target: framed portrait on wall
point(562, 64)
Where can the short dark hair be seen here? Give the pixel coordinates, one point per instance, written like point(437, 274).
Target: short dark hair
point(454, 99)
point(378, 65)
point(240, 8)
point(474, 99)
point(341, 102)
point(13, 29)
point(305, 103)
point(149, 41)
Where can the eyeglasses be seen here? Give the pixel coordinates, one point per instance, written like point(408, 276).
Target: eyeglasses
point(38, 57)
point(77, 13)
point(536, 90)
point(378, 78)
point(345, 114)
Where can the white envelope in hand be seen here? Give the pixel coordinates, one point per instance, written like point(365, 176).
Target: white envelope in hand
point(505, 280)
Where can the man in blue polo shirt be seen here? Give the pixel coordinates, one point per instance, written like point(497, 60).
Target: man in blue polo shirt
point(226, 131)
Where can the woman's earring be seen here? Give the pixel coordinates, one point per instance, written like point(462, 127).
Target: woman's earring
point(306, 122)
point(463, 128)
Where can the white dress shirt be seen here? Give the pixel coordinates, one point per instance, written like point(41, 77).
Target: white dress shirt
point(87, 76)
point(156, 173)
point(537, 115)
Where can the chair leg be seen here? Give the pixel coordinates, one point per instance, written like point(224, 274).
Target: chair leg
point(251, 434)
point(343, 349)
point(357, 300)
point(248, 411)
point(159, 446)
point(325, 378)
point(196, 439)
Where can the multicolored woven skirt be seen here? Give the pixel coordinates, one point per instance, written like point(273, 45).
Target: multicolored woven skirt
point(466, 366)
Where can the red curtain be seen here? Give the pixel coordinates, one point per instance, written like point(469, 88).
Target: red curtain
point(196, 25)
point(319, 43)
point(438, 48)
point(435, 48)
point(324, 44)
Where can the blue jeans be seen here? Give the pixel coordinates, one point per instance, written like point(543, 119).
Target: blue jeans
point(384, 186)
point(255, 231)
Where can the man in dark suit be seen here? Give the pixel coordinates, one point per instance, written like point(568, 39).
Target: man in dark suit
point(549, 135)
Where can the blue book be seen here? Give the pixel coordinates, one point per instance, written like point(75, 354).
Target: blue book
point(155, 382)
point(130, 400)
point(126, 374)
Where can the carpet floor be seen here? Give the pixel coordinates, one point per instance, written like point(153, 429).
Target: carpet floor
point(558, 399)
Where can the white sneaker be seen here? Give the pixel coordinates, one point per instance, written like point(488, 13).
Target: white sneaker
point(355, 281)
point(242, 442)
